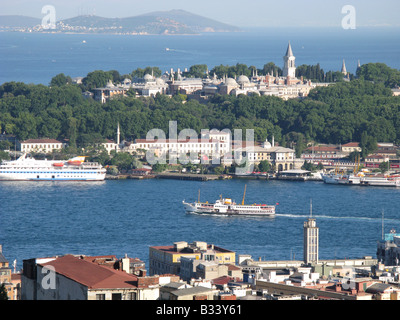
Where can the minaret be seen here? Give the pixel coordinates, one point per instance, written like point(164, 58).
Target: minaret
point(344, 71)
point(289, 68)
point(118, 135)
point(311, 236)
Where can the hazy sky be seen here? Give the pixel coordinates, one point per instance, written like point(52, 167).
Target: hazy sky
point(242, 13)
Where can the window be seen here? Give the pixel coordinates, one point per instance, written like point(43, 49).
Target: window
point(100, 296)
point(116, 296)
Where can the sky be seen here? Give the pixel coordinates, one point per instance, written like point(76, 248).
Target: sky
point(248, 13)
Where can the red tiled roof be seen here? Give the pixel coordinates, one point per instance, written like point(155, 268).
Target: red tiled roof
point(41, 141)
point(91, 274)
point(351, 144)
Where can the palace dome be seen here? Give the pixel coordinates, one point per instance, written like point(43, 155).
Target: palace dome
point(231, 82)
point(243, 79)
point(148, 77)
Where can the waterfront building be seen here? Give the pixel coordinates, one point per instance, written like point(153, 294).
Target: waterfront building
point(44, 145)
point(167, 259)
point(213, 145)
point(280, 157)
point(351, 147)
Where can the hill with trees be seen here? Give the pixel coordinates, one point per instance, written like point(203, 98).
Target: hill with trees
point(362, 110)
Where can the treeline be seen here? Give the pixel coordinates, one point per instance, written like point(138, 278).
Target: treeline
point(359, 110)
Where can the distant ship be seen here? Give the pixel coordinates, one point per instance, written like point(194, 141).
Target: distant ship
point(225, 206)
point(29, 169)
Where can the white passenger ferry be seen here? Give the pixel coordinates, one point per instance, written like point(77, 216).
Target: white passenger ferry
point(28, 168)
point(225, 206)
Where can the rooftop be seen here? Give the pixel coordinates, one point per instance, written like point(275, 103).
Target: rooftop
point(91, 274)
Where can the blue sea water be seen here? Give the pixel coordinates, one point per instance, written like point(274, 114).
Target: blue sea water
point(40, 219)
point(37, 57)
point(118, 217)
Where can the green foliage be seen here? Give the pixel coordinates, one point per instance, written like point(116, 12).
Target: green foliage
point(264, 166)
point(139, 72)
point(379, 73)
point(60, 80)
point(384, 166)
point(123, 160)
point(3, 292)
point(197, 71)
point(159, 167)
point(358, 110)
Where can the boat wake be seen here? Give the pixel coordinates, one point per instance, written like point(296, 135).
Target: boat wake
point(305, 216)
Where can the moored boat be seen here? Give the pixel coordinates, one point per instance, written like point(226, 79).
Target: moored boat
point(29, 169)
point(381, 181)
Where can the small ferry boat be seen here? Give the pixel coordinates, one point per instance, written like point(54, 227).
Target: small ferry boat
point(225, 206)
point(29, 169)
point(381, 181)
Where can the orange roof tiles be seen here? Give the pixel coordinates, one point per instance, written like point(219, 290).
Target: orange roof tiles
point(91, 274)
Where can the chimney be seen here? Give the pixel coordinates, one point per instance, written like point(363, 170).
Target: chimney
point(126, 264)
point(142, 272)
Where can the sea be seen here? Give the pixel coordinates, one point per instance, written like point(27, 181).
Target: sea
point(37, 57)
point(118, 217)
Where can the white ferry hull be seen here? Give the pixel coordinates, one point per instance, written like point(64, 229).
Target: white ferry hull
point(380, 182)
point(25, 169)
point(330, 179)
point(229, 210)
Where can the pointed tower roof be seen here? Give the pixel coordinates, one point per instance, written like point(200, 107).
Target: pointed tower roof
point(289, 51)
point(344, 71)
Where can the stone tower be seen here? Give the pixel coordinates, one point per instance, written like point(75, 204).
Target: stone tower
point(289, 68)
point(311, 240)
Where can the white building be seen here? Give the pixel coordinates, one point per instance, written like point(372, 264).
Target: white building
point(283, 158)
point(41, 145)
point(211, 145)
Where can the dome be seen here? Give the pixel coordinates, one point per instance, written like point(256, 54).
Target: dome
point(231, 82)
point(243, 79)
point(267, 144)
point(160, 81)
point(147, 77)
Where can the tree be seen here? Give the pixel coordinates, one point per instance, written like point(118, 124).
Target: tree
point(264, 166)
point(197, 71)
point(60, 80)
point(159, 167)
point(219, 169)
point(123, 160)
point(384, 166)
point(3, 292)
point(96, 79)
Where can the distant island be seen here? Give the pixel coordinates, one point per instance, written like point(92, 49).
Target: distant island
point(161, 22)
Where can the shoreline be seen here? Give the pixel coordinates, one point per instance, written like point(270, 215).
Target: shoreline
point(205, 177)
